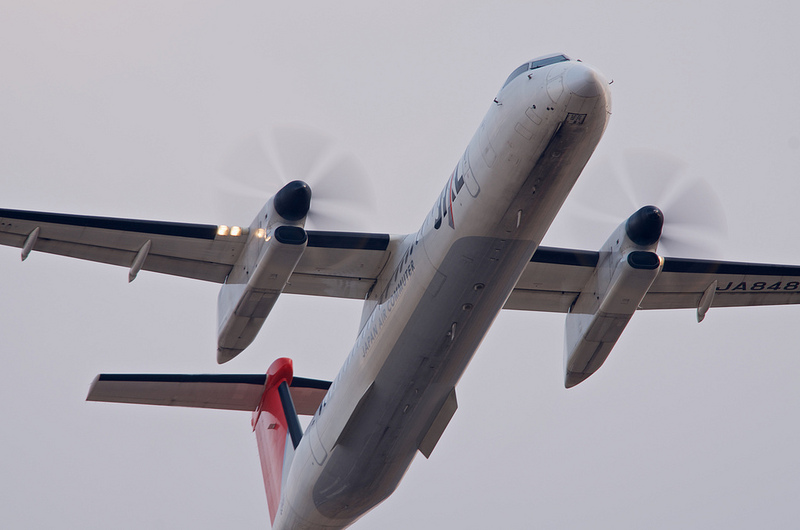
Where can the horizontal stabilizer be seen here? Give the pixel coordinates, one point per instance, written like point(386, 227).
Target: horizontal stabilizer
point(211, 391)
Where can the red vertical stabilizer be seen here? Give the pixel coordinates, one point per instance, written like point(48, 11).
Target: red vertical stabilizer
point(272, 432)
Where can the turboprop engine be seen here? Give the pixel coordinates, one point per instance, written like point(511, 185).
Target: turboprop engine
point(276, 240)
point(626, 268)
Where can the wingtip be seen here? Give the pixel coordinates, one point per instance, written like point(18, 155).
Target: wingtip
point(574, 378)
point(226, 354)
point(90, 394)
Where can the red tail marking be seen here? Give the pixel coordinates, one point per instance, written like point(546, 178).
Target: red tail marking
point(269, 424)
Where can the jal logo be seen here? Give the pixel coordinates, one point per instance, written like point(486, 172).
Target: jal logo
point(444, 208)
point(461, 178)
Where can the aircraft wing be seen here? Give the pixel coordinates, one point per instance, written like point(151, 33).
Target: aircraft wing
point(217, 391)
point(555, 277)
point(341, 264)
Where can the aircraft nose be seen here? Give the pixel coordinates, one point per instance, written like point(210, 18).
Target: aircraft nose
point(584, 81)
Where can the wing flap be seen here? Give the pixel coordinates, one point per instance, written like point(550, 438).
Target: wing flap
point(541, 300)
point(354, 287)
point(341, 264)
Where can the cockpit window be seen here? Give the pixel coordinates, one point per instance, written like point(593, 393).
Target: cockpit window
point(533, 65)
point(547, 61)
point(515, 73)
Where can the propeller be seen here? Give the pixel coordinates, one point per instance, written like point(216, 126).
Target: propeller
point(693, 217)
point(262, 163)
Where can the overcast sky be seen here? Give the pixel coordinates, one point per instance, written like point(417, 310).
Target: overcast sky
point(131, 109)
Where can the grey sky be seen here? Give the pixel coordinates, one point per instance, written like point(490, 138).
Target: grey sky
point(129, 109)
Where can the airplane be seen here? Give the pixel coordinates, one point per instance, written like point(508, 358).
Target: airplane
point(429, 297)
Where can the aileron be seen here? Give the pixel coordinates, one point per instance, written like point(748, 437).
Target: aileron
point(552, 280)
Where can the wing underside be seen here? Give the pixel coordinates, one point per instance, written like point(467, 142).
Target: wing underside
point(340, 264)
point(555, 277)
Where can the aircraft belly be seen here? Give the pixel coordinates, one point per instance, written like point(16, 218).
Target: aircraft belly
point(419, 372)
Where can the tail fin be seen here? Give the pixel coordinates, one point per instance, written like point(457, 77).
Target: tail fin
point(276, 398)
point(277, 431)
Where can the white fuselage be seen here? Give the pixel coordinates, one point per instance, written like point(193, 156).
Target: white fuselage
point(440, 292)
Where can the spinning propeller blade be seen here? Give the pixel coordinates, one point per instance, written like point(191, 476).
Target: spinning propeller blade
point(694, 220)
point(343, 195)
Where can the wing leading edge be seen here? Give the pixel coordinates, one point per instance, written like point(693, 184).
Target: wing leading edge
point(555, 277)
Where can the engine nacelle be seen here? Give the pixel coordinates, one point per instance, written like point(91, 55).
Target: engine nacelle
point(276, 242)
point(626, 269)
